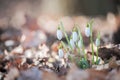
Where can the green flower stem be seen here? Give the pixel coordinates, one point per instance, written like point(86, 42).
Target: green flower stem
point(91, 40)
point(70, 57)
point(64, 45)
point(92, 49)
point(97, 54)
point(97, 46)
point(83, 48)
point(78, 49)
point(66, 36)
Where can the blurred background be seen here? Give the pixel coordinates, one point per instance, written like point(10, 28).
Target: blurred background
point(29, 48)
point(29, 16)
point(60, 7)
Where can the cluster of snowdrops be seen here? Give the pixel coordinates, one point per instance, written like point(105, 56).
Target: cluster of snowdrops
point(75, 44)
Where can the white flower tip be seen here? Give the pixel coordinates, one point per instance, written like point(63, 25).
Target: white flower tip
point(72, 43)
point(59, 34)
point(74, 36)
point(97, 42)
point(87, 31)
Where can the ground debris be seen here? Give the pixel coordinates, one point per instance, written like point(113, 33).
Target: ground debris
point(107, 53)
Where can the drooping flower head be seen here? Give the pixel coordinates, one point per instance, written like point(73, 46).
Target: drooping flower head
point(80, 43)
point(97, 42)
point(74, 34)
point(72, 43)
point(87, 30)
point(59, 33)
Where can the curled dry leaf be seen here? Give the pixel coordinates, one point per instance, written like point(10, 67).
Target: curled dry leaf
point(107, 53)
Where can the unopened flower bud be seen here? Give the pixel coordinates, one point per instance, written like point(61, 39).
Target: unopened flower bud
point(97, 42)
point(87, 31)
point(74, 36)
point(59, 34)
point(72, 43)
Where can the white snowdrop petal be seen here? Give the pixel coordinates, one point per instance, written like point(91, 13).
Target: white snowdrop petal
point(74, 36)
point(60, 53)
point(59, 34)
point(97, 42)
point(80, 44)
point(87, 31)
point(72, 43)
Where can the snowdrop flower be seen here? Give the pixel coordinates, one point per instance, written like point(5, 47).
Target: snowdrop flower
point(72, 43)
point(74, 36)
point(80, 44)
point(97, 42)
point(59, 34)
point(87, 31)
point(60, 53)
